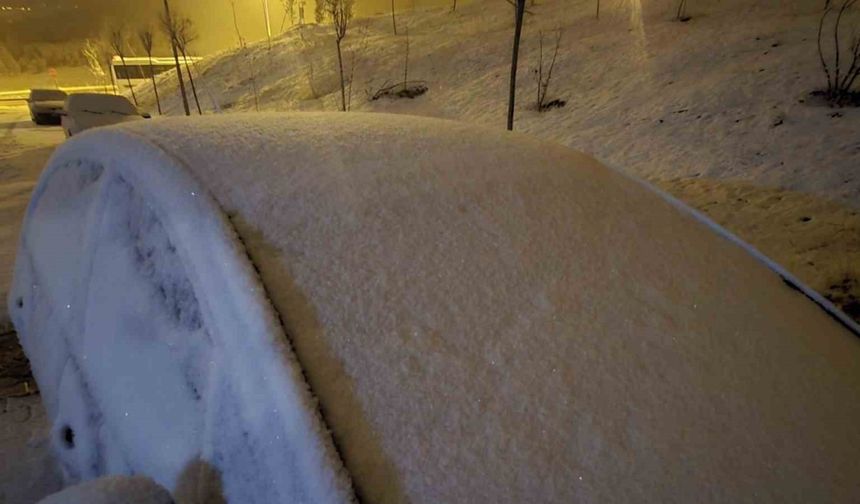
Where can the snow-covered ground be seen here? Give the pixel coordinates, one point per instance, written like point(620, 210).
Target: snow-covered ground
point(24, 150)
point(715, 110)
point(27, 470)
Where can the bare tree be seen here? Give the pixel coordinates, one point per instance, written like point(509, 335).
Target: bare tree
point(92, 53)
point(454, 6)
point(839, 83)
point(146, 39)
point(543, 73)
point(184, 36)
point(597, 15)
point(244, 47)
point(253, 73)
point(393, 18)
point(117, 44)
point(518, 29)
point(339, 12)
point(289, 11)
point(170, 27)
point(513, 4)
point(400, 88)
point(362, 47)
point(236, 24)
point(105, 54)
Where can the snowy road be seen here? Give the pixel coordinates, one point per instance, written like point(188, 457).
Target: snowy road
point(24, 150)
point(27, 471)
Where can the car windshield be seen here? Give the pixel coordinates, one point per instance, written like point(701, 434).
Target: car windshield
point(47, 95)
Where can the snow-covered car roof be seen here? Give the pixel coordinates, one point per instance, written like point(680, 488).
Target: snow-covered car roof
point(47, 95)
point(91, 110)
point(417, 310)
point(99, 103)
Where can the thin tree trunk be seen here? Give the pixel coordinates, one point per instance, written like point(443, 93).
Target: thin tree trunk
point(850, 82)
point(176, 59)
point(179, 76)
point(342, 84)
point(521, 7)
point(540, 72)
point(406, 63)
point(154, 85)
point(836, 69)
point(821, 52)
point(393, 18)
point(191, 79)
point(254, 89)
point(351, 78)
point(253, 73)
point(598, 9)
point(128, 80)
point(236, 24)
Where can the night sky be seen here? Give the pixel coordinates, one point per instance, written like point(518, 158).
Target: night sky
point(212, 18)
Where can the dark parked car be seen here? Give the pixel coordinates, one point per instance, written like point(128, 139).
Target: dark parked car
point(46, 105)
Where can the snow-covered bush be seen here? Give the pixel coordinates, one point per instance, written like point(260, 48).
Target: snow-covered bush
point(543, 75)
point(839, 50)
point(404, 89)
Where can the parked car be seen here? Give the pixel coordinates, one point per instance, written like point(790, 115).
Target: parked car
point(273, 308)
point(46, 105)
point(90, 110)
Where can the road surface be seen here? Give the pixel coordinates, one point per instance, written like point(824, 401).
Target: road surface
point(24, 150)
point(27, 470)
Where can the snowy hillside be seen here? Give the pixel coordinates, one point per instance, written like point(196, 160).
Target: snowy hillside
point(715, 110)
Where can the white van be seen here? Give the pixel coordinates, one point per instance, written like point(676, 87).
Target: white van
point(140, 69)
